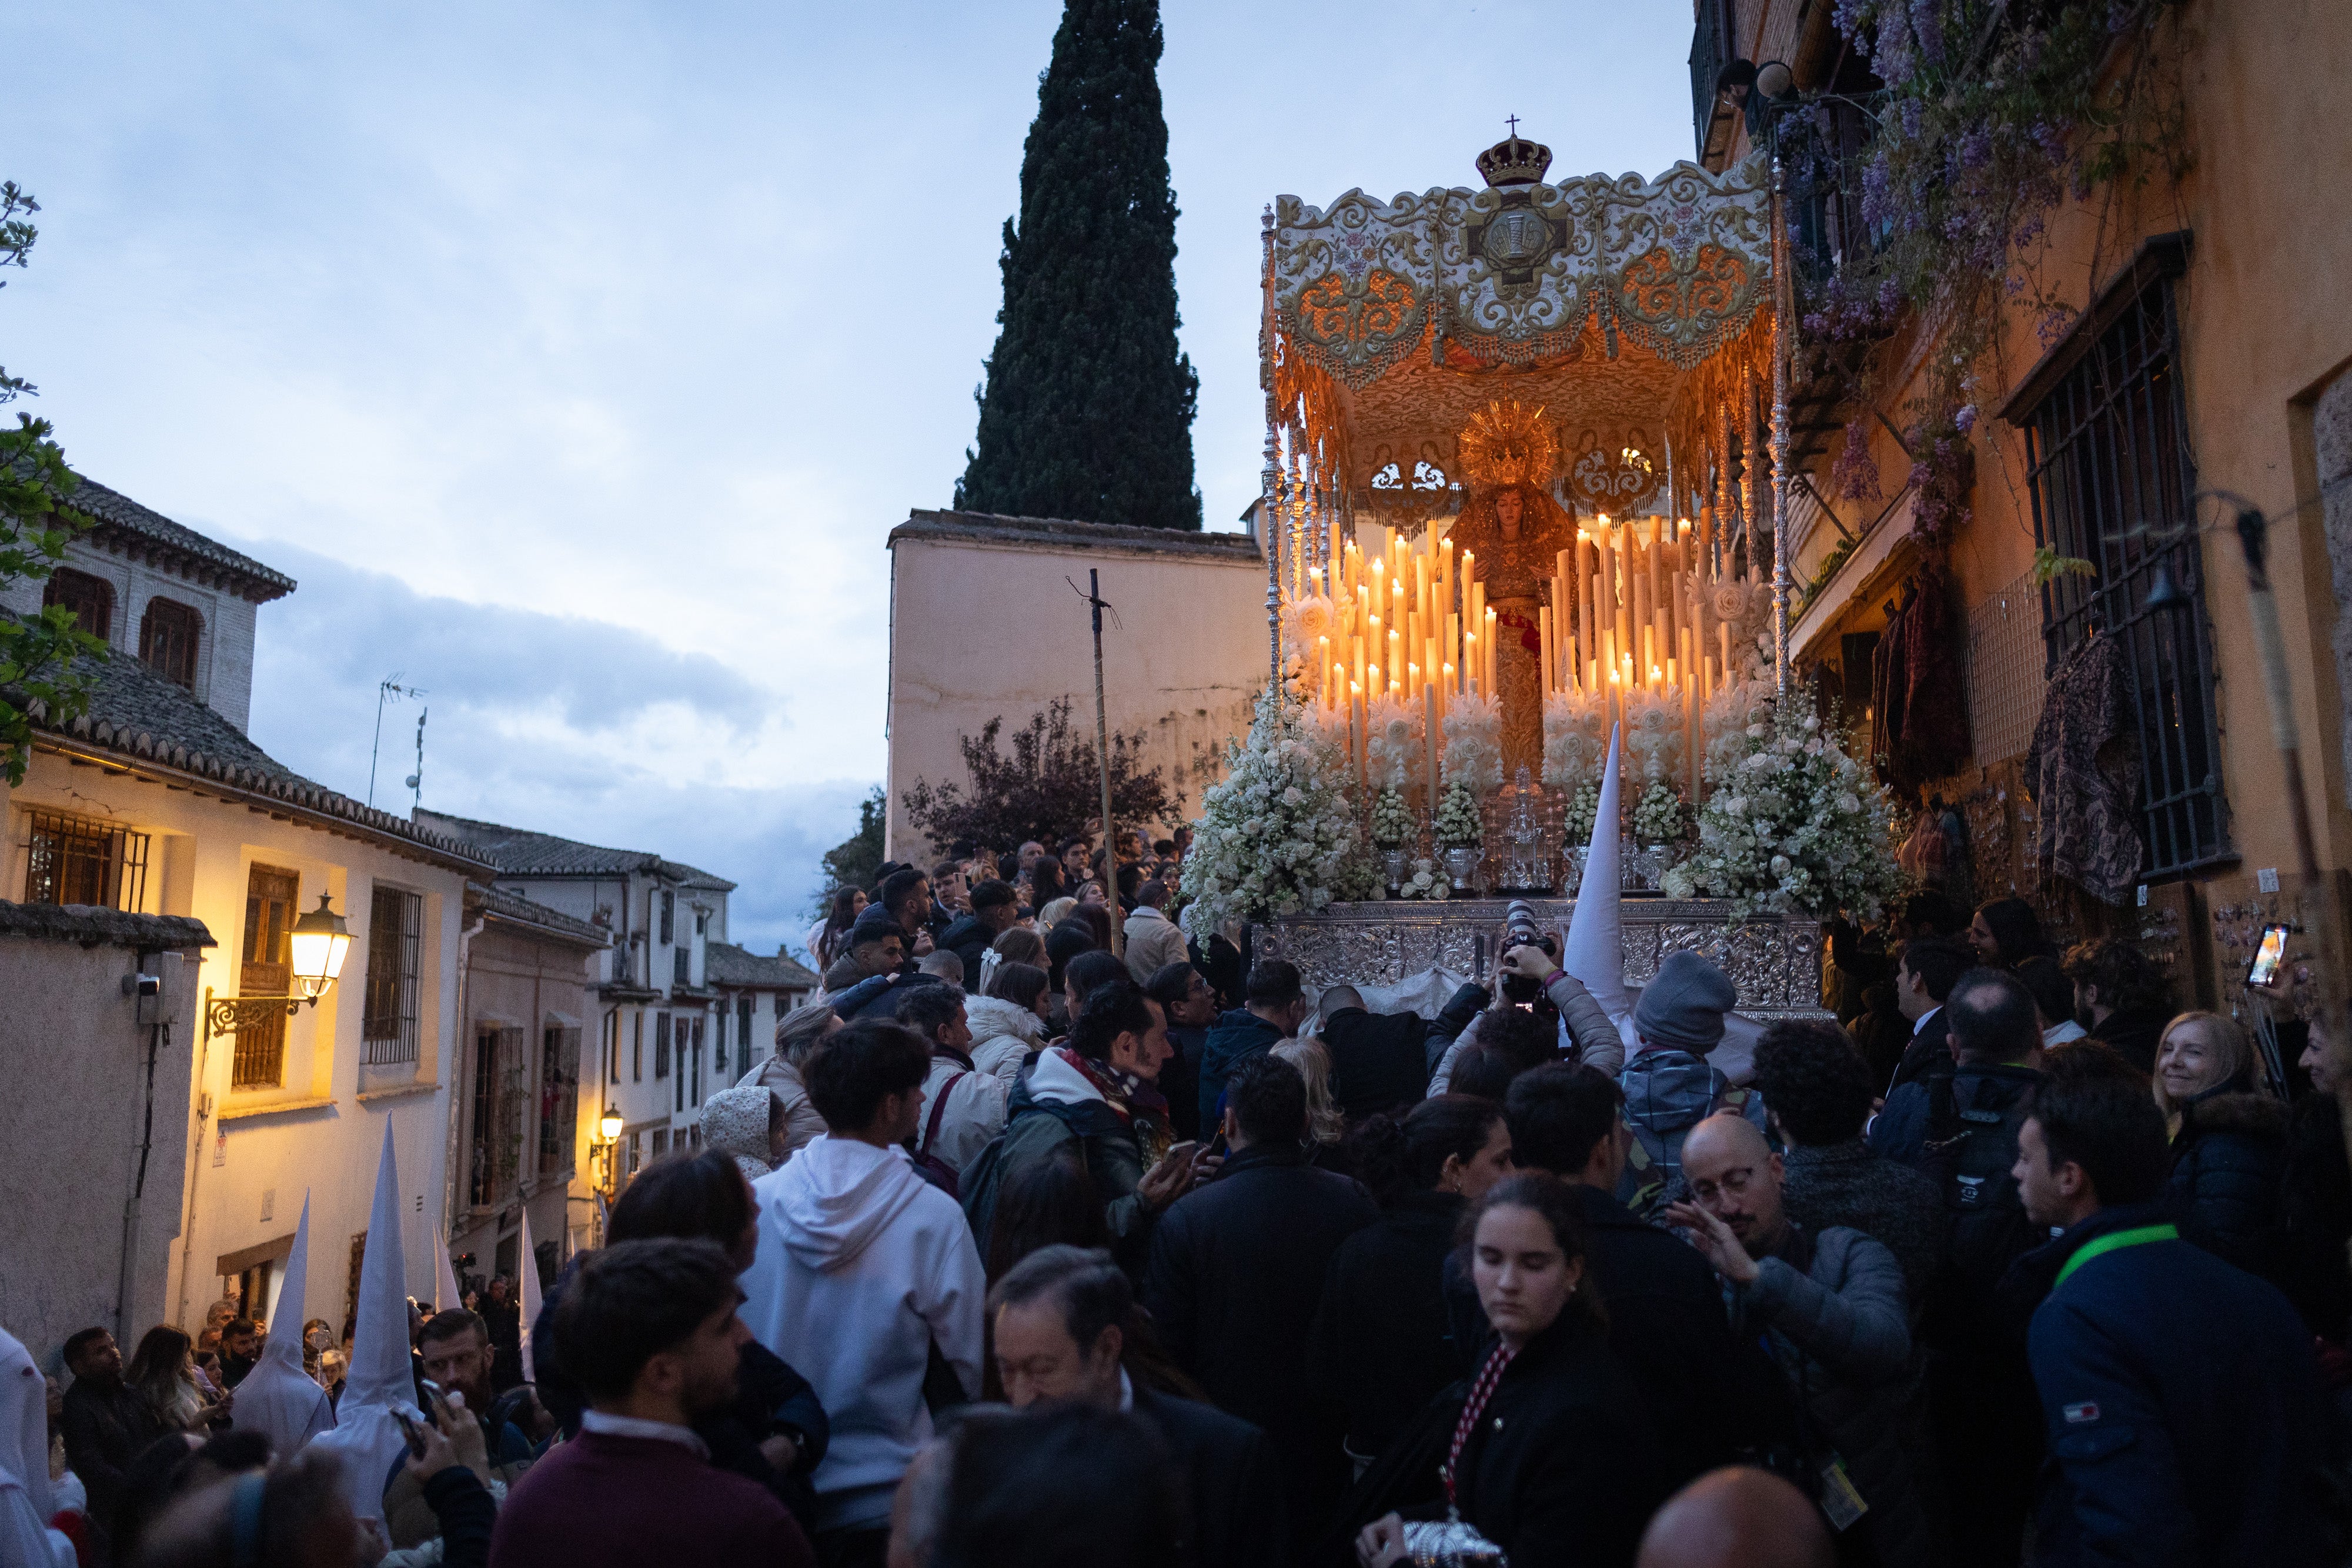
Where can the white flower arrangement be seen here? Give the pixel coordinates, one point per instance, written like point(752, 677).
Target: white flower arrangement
point(1794, 826)
point(1661, 817)
point(1392, 822)
point(1458, 824)
point(1474, 744)
point(1306, 621)
point(1426, 882)
point(1276, 835)
point(1576, 823)
point(1393, 740)
point(1735, 716)
point(1654, 735)
point(1576, 738)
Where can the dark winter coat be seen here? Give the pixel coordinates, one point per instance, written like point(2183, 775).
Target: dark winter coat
point(1381, 1346)
point(1561, 1470)
point(1831, 1305)
point(2133, 1036)
point(1844, 1184)
point(2182, 1406)
point(1236, 1275)
point(968, 939)
point(104, 1426)
point(1230, 1478)
point(1378, 1060)
point(1236, 1037)
point(1708, 1396)
point(2228, 1162)
point(2315, 1218)
point(877, 993)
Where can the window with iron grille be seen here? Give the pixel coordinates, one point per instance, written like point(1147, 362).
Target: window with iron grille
point(661, 1045)
point(92, 599)
point(72, 860)
point(668, 917)
point(168, 635)
point(681, 967)
point(743, 1034)
point(489, 1163)
point(637, 1048)
point(559, 1097)
point(612, 1049)
point(388, 1016)
point(2112, 479)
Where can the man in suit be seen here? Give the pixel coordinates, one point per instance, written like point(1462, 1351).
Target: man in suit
point(1925, 974)
point(1061, 1317)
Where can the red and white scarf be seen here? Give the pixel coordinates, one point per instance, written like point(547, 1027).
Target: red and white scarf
point(1482, 1391)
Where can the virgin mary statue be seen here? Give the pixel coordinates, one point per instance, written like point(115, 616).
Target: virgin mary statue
point(1514, 530)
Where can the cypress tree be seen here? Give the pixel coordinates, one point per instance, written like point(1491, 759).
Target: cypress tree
point(1086, 412)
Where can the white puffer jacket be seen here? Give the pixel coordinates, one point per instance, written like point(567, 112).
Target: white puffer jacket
point(1002, 1033)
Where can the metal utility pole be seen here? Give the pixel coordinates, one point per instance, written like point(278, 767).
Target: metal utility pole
point(1102, 756)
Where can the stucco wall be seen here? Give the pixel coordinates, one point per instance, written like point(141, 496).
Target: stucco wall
point(982, 627)
point(322, 1129)
point(73, 1049)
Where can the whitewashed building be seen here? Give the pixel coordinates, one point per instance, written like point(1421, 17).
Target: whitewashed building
point(157, 803)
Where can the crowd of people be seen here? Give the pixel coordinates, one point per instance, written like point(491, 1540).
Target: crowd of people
point(1030, 1248)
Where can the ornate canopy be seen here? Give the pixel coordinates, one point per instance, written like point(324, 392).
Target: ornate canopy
point(1619, 306)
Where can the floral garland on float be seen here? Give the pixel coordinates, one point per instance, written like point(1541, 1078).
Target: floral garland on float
point(1795, 826)
point(1276, 835)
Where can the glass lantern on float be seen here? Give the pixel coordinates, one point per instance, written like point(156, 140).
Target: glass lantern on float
point(1524, 863)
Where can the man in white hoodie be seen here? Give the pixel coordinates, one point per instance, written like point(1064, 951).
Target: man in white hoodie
point(863, 1269)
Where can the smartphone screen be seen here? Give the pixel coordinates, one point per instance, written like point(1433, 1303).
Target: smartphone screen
point(2264, 970)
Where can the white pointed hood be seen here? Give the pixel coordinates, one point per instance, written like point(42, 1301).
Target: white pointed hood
point(832, 1198)
point(277, 1398)
point(446, 1296)
point(25, 1424)
point(366, 1437)
point(529, 1272)
point(1595, 950)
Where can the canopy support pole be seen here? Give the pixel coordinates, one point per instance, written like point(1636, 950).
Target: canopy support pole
point(1781, 294)
point(1269, 510)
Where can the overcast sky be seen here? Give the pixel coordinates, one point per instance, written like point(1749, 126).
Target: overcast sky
point(578, 357)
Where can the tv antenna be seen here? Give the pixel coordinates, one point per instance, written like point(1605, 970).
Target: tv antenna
point(389, 686)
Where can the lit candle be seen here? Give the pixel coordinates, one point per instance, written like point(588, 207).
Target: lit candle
point(1470, 664)
point(1429, 740)
point(1543, 638)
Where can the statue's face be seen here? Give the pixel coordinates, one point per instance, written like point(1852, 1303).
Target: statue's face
point(1506, 512)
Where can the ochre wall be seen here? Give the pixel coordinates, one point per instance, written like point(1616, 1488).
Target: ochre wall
point(984, 628)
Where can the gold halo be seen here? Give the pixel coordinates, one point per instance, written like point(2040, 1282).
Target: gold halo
point(1507, 442)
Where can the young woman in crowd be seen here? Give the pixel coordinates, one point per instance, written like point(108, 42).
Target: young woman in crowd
point(1009, 1022)
point(826, 936)
point(1553, 1460)
point(2006, 932)
point(2229, 1145)
point(1381, 1347)
point(1326, 1127)
point(164, 1371)
point(1014, 944)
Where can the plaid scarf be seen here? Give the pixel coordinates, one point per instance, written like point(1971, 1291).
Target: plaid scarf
point(1136, 1102)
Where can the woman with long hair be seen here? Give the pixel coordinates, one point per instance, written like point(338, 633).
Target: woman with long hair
point(164, 1371)
point(2228, 1142)
point(1552, 1459)
point(1014, 944)
point(2005, 932)
point(1326, 1127)
point(827, 937)
point(1381, 1346)
point(1009, 1022)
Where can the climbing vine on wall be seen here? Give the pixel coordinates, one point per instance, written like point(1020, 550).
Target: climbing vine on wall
point(1992, 115)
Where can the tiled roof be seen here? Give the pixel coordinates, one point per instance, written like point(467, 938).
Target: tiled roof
point(122, 524)
point(514, 906)
point(93, 927)
point(147, 720)
point(1056, 532)
point(519, 851)
point(724, 964)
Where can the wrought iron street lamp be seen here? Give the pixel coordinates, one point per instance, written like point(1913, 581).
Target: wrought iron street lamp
point(319, 940)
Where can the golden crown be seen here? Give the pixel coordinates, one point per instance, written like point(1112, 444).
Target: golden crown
point(1514, 161)
point(1507, 442)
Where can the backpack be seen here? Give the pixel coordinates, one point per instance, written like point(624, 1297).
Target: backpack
point(1969, 1154)
point(932, 1168)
